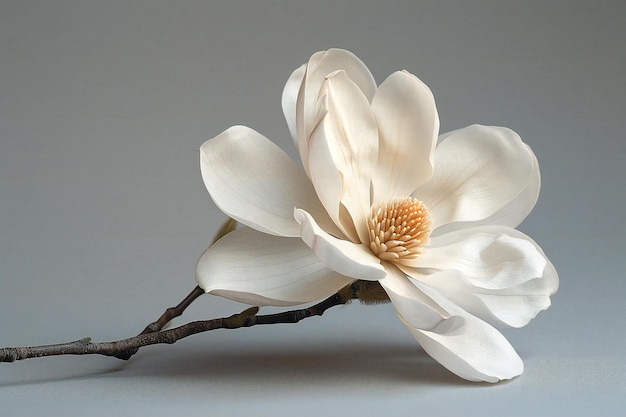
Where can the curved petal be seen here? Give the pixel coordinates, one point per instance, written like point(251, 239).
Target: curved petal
point(418, 309)
point(464, 344)
point(290, 99)
point(514, 306)
point(256, 183)
point(520, 207)
point(347, 134)
point(491, 257)
point(499, 297)
point(408, 125)
point(347, 258)
point(328, 183)
point(479, 170)
point(260, 269)
point(470, 348)
point(320, 65)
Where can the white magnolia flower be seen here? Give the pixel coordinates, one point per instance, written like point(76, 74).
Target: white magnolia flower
point(382, 197)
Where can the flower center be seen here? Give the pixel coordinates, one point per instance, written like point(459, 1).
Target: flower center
point(399, 229)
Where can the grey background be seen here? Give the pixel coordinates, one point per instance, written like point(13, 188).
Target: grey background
point(103, 106)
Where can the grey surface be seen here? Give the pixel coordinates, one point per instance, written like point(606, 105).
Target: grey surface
point(103, 106)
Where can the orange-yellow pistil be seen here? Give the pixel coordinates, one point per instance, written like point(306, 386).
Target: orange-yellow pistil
point(399, 229)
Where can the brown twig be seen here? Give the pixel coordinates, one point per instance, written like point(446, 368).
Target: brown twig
point(368, 292)
point(87, 347)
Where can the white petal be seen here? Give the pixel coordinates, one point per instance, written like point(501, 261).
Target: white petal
point(347, 258)
point(290, 100)
point(491, 257)
point(520, 207)
point(260, 269)
point(464, 344)
point(408, 126)
point(418, 309)
point(349, 134)
point(328, 182)
point(512, 299)
point(514, 306)
point(470, 348)
point(323, 63)
point(320, 65)
point(479, 171)
point(256, 183)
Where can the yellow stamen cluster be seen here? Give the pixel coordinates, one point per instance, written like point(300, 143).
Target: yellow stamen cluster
point(399, 229)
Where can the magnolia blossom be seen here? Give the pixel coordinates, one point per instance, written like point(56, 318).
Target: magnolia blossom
point(381, 196)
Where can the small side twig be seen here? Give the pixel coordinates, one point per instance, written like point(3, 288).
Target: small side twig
point(165, 318)
point(173, 312)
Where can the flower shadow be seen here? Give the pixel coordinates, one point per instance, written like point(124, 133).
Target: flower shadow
point(338, 364)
